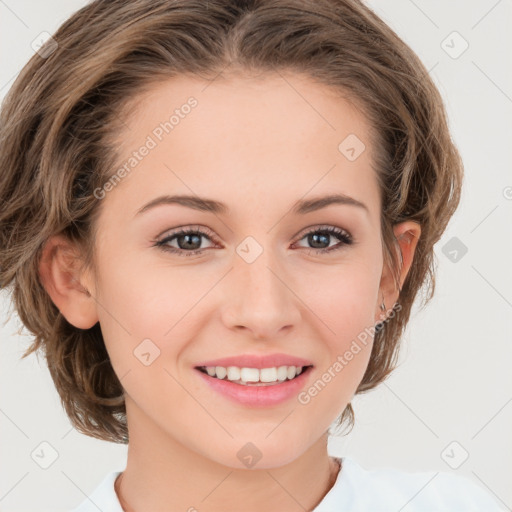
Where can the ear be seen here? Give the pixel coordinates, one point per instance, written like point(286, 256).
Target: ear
point(59, 274)
point(407, 235)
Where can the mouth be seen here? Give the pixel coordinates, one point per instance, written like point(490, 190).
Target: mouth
point(256, 380)
point(258, 377)
point(246, 386)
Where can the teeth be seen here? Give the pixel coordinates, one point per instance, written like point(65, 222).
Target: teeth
point(254, 375)
point(269, 374)
point(220, 371)
point(233, 372)
point(246, 374)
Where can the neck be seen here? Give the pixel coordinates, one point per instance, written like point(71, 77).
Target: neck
point(162, 474)
point(334, 471)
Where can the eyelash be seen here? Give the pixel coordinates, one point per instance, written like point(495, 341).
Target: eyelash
point(344, 237)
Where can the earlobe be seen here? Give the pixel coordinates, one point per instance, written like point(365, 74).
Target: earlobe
point(59, 275)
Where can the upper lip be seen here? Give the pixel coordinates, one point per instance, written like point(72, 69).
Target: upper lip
point(257, 361)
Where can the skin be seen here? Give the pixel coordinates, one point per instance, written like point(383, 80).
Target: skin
point(258, 146)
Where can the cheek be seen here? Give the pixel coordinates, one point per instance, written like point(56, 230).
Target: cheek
point(343, 297)
point(143, 321)
point(147, 299)
point(343, 308)
point(154, 302)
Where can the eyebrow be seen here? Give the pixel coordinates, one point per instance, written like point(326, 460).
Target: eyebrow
point(203, 204)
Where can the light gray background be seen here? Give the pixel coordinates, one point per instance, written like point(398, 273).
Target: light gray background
point(454, 382)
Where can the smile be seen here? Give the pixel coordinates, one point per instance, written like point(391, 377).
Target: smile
point(247, 386)
point(254, 376)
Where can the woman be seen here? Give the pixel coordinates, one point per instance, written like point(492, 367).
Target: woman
point(218, 216)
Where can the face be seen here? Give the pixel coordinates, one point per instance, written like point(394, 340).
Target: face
point(257, 277)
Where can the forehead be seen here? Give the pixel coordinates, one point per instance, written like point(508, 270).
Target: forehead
point(274, 136)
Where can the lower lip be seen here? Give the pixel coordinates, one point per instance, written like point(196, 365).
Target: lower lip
point(263, 396)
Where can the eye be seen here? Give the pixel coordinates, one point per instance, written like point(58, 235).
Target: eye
point(323, 235)
point(188, 241)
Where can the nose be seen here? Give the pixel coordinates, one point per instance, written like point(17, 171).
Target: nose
point(259, 298)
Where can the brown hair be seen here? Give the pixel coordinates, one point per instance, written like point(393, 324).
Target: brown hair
point(58, 121)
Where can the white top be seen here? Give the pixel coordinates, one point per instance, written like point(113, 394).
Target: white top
point(359, 490)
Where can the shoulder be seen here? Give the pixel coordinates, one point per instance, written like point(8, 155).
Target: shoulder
point(386, 489)
point(103, 497)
